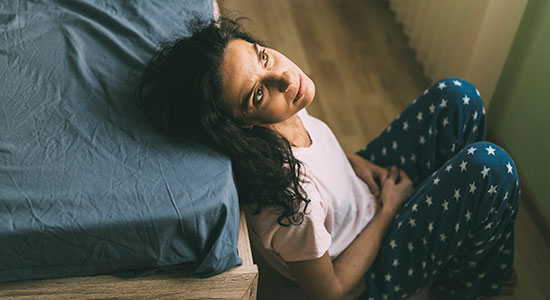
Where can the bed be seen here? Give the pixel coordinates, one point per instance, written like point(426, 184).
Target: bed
point(93, 202)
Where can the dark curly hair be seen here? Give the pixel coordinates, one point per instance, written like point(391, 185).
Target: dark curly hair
point(180, 91)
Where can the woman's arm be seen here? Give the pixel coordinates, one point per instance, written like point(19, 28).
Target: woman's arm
point(369, 172)
point(322, 278)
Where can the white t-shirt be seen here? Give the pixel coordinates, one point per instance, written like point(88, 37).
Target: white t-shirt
point(341, 205)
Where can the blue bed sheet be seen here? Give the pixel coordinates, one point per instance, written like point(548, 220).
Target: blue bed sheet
point(87, 186)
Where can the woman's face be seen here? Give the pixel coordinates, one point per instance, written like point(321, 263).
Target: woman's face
point(261, 85)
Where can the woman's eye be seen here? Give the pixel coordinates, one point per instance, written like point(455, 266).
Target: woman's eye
point(259, 95)
point(264, 57)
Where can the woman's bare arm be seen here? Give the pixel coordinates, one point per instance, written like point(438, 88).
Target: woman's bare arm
point(322, 278)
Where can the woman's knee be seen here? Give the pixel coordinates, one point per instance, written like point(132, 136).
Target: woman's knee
point(459, 93)
point(491, 163)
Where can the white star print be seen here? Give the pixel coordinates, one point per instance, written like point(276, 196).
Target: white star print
point(509, 166)
point(419, 116)
point(410, 272)
point(445, 122)
point(485, 171)
point(384, 297)
point(430, 227)
point(414, 208)
point(494, 286)
point(412, 222)
point(388, 129)
point(463, 166)
point(428, 164)
point(443, 103)
point(413, 157)
point(424, 241)
point(422, 140)
point(387, 277)
point(393, 244)
point(445, 205)
point(405, 125)
point(468, 284)
point(414, 100)
point(394, 145)
point(477, 92)
point(489, 226)
point(442, 237)
point(410, 247)
point(448, 168)
point(492, 190)
point(473, 187)
point(430, 132)
point(426, 92)
point(475, 115)
point(372, 157)
point(436, 180)
point(471, 150)
point(503, 266)
point(490, 150)
point(384, 151)
point(396, 289)
point(457, 226)
point(429, 200)
point(457, 83)
point(403, 159)
point(466, 99)
point(441, 85)
point(395, 262)
point(468, 215)
point(432, 108)
point(457, 194)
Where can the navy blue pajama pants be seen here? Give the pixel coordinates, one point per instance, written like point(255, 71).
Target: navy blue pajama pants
point(457, 226)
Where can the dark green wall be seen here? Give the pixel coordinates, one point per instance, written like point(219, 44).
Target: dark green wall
point(520, 109)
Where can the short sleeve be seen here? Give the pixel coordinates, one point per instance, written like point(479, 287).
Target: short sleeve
point(308, 240)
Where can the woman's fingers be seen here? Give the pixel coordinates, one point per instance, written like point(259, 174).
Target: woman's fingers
point(373, 186)
point(393, 174)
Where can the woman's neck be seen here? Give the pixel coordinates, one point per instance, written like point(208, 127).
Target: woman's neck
point(294, 131)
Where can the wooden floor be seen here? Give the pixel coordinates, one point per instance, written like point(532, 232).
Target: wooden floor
point(365, 75)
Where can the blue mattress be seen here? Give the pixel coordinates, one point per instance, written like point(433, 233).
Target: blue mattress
point(87, 186)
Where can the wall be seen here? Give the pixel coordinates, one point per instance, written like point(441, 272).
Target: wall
point(467, 38)
point(520, 109)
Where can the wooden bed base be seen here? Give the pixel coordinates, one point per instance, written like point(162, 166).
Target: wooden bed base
point(237, 283)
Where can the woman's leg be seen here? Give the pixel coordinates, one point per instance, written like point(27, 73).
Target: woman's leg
point(427, 136)
point(444, 119)
point(456, 230)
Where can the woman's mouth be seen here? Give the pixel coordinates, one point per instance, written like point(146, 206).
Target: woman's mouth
point(300, 92)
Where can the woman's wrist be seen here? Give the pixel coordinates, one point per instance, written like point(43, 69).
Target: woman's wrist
point(388, 211)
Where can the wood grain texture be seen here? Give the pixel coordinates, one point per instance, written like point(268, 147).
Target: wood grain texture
point(238, 283)
point(365, 74)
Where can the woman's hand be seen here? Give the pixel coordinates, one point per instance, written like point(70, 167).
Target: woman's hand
point(396, 187)
point(369, 172)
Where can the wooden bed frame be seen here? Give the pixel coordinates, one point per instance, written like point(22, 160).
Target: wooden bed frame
point(237, 283)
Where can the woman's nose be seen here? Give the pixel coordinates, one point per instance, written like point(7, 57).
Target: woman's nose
point(281, 80)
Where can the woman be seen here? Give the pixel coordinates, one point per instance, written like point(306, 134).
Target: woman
point(339, 224)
